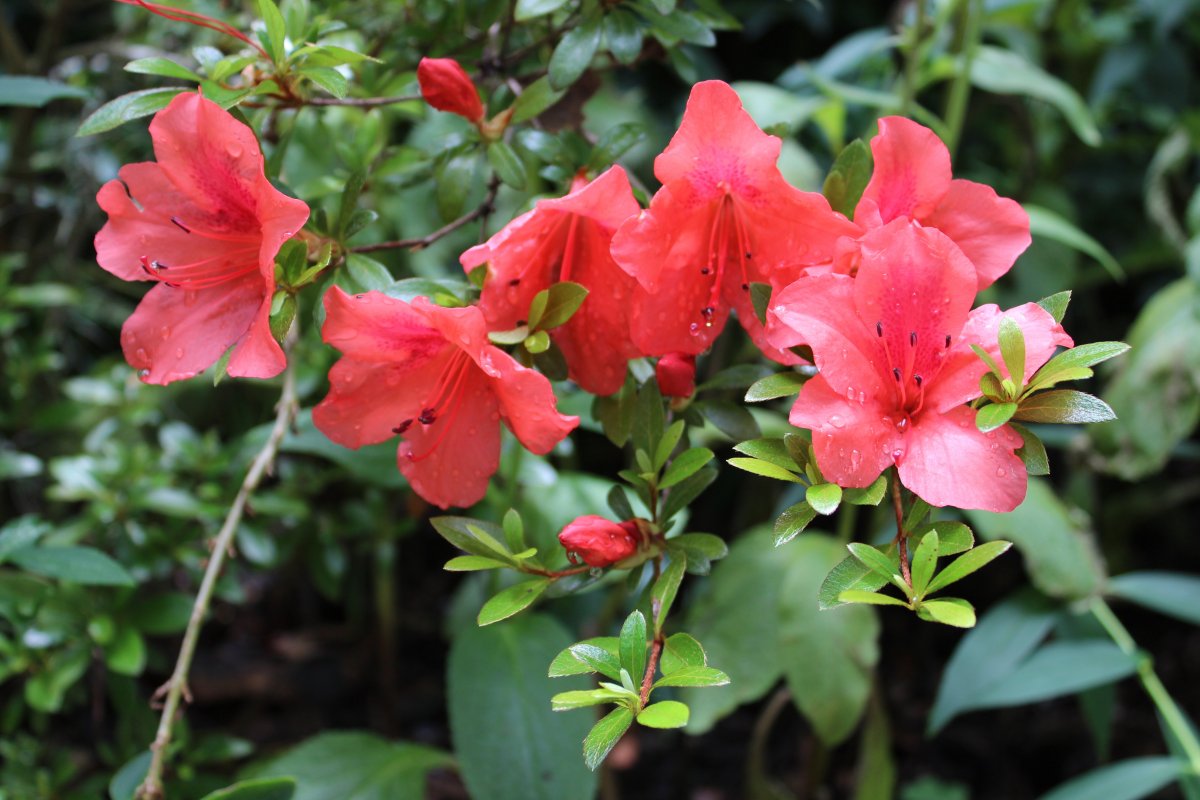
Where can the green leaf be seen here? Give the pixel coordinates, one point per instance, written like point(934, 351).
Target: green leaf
point(126, 653)
point(537, 97)
point(599, 657)
point(953, 537)
point(967, 563)
point(991, 652)
point(952, 611)
point(1059, 550)
point(738, 376)
point(685, 465)
point(21, 533)
point(793, 521)
point(662, 593)
point(507, 164)
point(615, 142)
point(1131, 779)
point(160, 614)
point(1047, 224)
point(476, 537)
point(367, 767)
point(622, 35)
point(583, 698)
point(664, 714)
point(764, 468)
point(537, 342)
point(731, 419)
point(666, 445)
point(693, 676)
point(1172, 593)
point(1032, 452)
point(127, 107)
point(924, 561)
point(565, 663)
point(83, 565)
point(472, 564)
point(574, 53)
point(687, 490)
point(850, 575)
point(760, 298)
point(869, 496)
point(1056, 304)
point(869, 598)
point(1064, 406)
point(1059, 668)
point(257, 789)
point(828, 656)
point(164, 67)
point(604, 735)
point(783, 384)
point(1012, 348)
point(632, 644)
point(848, 177)
point(874, 560)
point(680, 651)
point(1005, 72)
point(512, 600)
point(130, 776)
point(530, 9)
point(1075, 363)
point(509, 743)
point(824, 497)
point(554, 306)
point(34, 92)
point(772, 450)
point(276, 29)
point(329, 79)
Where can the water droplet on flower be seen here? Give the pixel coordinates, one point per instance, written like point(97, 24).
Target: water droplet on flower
point(140, 354)
point(1000, 472)
point(190, 298)
point(234, 148)
point(837, 421)
point(896, 454)
point(166, 332)
point(143, 374)
point(694, 329)
point(902, 424)
point(855, 459)
point(179, 352)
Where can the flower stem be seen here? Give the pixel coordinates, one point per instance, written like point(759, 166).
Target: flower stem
point(421, 242)
point(176, 687)
point(912, 58)
point(1172, 716)
point(901, 534)
point(960, 90)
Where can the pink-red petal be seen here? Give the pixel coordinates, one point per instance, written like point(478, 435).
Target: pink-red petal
point(527, 403)
point(851, 440)
point(377, 328)
point(912, 173)
point(990, 230)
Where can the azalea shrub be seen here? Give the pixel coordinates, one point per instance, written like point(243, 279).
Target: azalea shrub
point(431, 318)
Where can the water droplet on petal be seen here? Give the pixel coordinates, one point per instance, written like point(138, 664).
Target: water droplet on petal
point(140, 354)
point(179, 352)
point(143, 374)
point(897, 453)
point(234, 148)
point(1000, 472)
point(855, 459)
point(694, 329)
point(837, 421)
point(166, 332)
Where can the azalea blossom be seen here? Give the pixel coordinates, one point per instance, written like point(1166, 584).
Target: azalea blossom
point(567, 239)
point(446, 86)
point(892, 347)
point(912, 180)
point(676, 375)
point(204, 224)
point(599, 542)
point(724, 218)
point(429, 375)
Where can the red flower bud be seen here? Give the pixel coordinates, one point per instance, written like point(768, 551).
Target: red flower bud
point(598, 541)
point(446, 86)
point(676, 374)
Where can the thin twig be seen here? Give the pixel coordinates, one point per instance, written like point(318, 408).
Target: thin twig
point(176, 687)
point(360, 102)
point(901, 534)
point(422, 242)
point(651, 666)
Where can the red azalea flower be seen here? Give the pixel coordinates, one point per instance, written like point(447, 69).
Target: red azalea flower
point(893, 349)
point(205, 224)
point(723, 219)
point(446, 86)
point(567, 239)
point(676, 374)
point(429, 374)
point(912, 180)
point(599, 542)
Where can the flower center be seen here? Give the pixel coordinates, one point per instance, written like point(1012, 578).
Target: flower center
point(442, 405)
point(728, 232)
point(904, 359)
point(226, 265)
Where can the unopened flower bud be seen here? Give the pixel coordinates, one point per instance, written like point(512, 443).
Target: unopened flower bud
point(599, 542)
point(676, 374)
point(446, 86)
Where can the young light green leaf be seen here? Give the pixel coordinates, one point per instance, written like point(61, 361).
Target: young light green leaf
point(1076, 363)
point(924, 561)
point(604, 736)
point(783, 384)
point(772, 450)
point(472, 564)
point(512, 600)
point(164, 67)
point(764, 468)
point(994, 415)
point(848, 575)
point(953, 537)
point(582, 698)
point(869, 598)
point(680, 651)
point(665, 714)
point(967, 563)
point(693, 676)
point(1056, 304)
point(567, 663)
point(662, 593)
point(276, 29)
point(561, 301)
point(877, 562)
point(131, 106)
point(949, 611)
point(1032, 452)
point(1012, 348)
point(824, 497)
point(869, 496)
point(632, 644)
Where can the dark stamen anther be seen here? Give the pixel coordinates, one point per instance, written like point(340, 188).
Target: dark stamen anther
point(879, 329)
point(749, 255)
point(514, 282)
point(947, 340)
point(896, 373)
point(428, 416)
point(705, 271)
point(182, 227)
point(745, 287)
point(707, 312)
point(912, 338)
point(403, 426)
point(919, 380)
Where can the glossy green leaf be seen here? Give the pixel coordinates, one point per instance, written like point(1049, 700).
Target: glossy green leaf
point(599, 657)
point(604, 736)
point(531, 9)
point(561, 301)
point(662, 593)
point(632, 645)
point(1064, 406)
point(850, 575)
point(993, 416)
point(680, 651)
point(276, 31)
point(967, 563)
point(824, 497)
point(574, 53)
point(869, 598)
point(622, 35)
point(772, 450)
point(764, 468)
point(848, 177)
point(793, 521)
point(537, 97)
point(685, 465)
point(127, 107)
point(924, 561)
point(566, 663)
point(952, 611)
point(783, 384)
point(164, 67)
point(512, 600)
point(507, 164)
point(693, 676)
point(664, 714)
point(870, 496)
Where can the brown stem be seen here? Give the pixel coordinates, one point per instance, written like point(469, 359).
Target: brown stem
point(176, 687)
point(901, 534)
point(651, 667)
point(555, 574)
point(422, 242)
